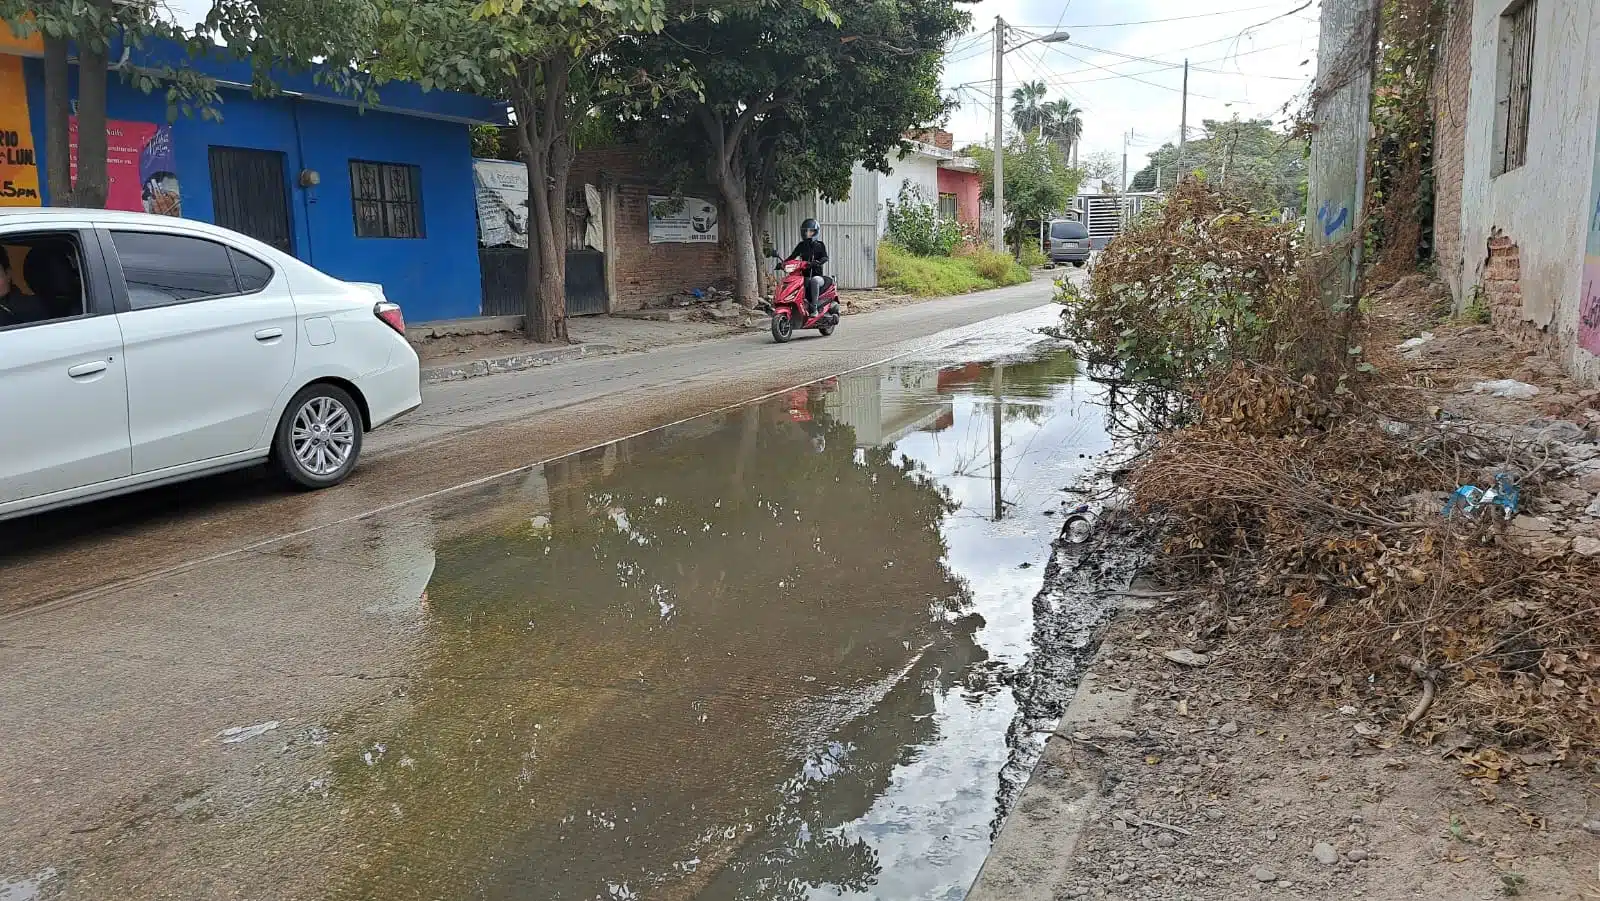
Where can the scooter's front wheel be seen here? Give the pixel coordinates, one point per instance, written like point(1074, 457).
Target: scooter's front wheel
point(782, 326)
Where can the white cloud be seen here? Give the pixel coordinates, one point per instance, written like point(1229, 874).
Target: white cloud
point(1263, 65)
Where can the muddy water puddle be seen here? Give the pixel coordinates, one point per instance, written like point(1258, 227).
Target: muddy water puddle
point(756, 655)
point(761, 654)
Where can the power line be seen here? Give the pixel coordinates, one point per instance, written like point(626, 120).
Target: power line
point(1152, 84)
point(1167, 64)
point(1223, 12)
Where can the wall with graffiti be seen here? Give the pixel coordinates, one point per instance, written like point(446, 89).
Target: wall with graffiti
point(1547, 205)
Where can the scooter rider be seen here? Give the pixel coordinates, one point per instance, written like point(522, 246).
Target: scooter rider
point(814, 254)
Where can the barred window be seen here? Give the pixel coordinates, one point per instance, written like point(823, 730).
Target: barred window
point(388, 199)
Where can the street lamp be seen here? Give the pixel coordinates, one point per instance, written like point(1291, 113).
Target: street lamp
point(1000, 51)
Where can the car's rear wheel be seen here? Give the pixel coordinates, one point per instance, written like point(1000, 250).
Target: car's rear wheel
point(319, 437)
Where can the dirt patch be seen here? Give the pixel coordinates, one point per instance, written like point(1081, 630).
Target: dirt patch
point(1187, 782)
point(1332, 690)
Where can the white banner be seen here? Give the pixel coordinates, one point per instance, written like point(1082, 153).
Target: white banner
point(682, 220)
point(502, 189)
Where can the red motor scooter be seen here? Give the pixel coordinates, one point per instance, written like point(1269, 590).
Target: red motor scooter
point(788, 307)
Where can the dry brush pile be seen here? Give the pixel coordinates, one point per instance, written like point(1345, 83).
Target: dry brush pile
point(1301, 501)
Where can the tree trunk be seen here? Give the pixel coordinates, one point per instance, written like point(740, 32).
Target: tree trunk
point(57, 122)
point(747, 284)
point(91, 186)
point(541, 105)
point(759, 210)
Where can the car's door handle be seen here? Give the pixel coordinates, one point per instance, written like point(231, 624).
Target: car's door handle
point(269, 334)
point(87, 369)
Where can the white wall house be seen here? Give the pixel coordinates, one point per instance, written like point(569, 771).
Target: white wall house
point(920, 167)
point(1519, 126)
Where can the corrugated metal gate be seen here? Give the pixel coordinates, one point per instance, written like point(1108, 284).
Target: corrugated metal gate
point(852, 229)
point(849, 228)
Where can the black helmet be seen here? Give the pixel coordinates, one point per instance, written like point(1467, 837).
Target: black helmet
point(810, 225)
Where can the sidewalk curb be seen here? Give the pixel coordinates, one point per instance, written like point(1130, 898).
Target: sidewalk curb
point(1036, 844)
point(472, 369)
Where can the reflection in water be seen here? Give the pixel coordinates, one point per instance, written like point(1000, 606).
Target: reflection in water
point(758, 655)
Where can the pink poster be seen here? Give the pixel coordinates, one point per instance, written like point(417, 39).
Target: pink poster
point(139, 167)
point(1589, 307)
point(1589, 283)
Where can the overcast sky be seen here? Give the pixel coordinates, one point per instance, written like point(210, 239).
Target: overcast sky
point(1250, 72)
point(1236, 68)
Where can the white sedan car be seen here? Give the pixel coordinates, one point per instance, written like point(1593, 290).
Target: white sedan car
point(138, 350)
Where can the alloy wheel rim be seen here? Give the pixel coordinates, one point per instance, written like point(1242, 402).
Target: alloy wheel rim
point(323, 436)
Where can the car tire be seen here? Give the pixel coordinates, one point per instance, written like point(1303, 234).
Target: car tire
point(319, 437)
point(1077, 264)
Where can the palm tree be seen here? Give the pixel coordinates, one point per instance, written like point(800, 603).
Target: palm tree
point(1026, 113)
point(1064, 122)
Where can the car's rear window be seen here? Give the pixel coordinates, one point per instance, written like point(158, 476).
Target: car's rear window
point(1063, 230)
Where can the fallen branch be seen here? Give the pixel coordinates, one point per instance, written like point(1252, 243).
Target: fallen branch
point(1429, 691)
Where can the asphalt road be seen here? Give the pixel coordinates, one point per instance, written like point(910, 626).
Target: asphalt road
point(133, 630)
point(465, 431)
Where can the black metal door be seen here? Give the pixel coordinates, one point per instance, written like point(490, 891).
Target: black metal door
point(505, 274)
point(250, 194)
point(586, 282)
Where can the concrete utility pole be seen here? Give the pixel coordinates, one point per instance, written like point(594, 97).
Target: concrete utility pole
point(1341, 125)
point(1000, 48)
point(1125, 160)
point(999, 135)
point(1183, 123)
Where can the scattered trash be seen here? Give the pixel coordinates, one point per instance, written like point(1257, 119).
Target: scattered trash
point(1080, 524)
point(1469, 499)
point(1186, 657)
point(244, 733)
point(1506, 388)
point(1416, 342)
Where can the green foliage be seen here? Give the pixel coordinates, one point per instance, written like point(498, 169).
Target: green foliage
point(1039, 183)
point(1476, 312)
point(794, 101)
point(934, 276)
point(998, 268)
point(1032, 256)
point(1181, 295)
point(1246, 157)
point(1058, 120)
point(1400, 230)
point(914, 224)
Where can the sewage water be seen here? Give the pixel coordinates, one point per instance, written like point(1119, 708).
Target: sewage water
point(761, 654)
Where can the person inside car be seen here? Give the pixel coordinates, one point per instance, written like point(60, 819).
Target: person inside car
point(16, 308)
point(814, 254)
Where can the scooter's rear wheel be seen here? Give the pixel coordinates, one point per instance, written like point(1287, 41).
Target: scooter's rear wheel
point(782, 327)
point(827, 330)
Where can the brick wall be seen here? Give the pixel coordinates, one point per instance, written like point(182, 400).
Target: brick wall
point(938, 137)
point(1451, 88)
point(648, 272)
point(1502, 294)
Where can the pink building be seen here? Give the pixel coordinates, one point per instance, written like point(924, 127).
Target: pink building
point(960, 185)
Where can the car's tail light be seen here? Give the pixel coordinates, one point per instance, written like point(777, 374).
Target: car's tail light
point(391, 315)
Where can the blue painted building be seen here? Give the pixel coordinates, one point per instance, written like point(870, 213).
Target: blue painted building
point(382, 194)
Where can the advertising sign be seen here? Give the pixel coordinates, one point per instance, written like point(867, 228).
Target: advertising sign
point(141, 174)
point(502, 190)
point(682, 220)
point(19, 166)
